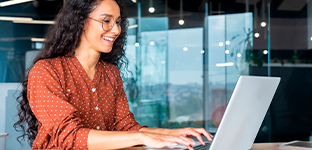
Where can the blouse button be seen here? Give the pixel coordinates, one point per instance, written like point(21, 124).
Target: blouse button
point(98, 127)
point(93, 89)
point(68, 90)
point(96, 108)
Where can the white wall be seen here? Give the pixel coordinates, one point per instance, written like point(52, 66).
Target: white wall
point(8, 114)
point(3, 96)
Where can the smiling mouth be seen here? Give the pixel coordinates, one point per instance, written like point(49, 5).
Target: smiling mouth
point(108, 39)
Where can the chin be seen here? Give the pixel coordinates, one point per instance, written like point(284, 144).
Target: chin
point(106, 50)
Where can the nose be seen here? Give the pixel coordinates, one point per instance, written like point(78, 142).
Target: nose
point(116, 29)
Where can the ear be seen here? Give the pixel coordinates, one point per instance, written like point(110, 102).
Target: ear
point(86, 24)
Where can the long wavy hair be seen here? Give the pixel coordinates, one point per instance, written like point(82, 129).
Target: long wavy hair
point(62, 39)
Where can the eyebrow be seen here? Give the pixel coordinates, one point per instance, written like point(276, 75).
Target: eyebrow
point(109, 15)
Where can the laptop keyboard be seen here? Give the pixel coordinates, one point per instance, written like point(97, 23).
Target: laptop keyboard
point(198, 146)
point(202, 147)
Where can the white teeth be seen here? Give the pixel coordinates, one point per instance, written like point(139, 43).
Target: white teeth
point(108, 39)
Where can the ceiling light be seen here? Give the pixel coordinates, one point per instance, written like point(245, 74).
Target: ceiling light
point(134, 1)
point(225, 64)
point(152, 43)
point(265, 52)
point(220, 44)
point(257, 35)
point(227, 51)
point(185, 48)
point(163, 62)
point(263, 24)
point(202, 51)
point(136, 44)
point(15, 18)
point(181, 22)
point(227, 42)
point(13, 2)
point(133, 26)
point(311, 38)
point(34, 22)
point(151, 9)
point(239, 55)
point(37, 39)
point(7, 39)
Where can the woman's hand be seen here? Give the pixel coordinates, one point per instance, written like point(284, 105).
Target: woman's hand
point(191, 132)
point(173, 136)
point(157, 140)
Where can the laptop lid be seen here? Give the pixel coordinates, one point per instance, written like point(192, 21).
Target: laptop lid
point(245, 112)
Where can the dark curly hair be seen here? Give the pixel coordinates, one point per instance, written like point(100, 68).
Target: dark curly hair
point(62, 39)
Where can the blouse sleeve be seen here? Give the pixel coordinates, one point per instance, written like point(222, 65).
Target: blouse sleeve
point(124, 118)
point(56, 116)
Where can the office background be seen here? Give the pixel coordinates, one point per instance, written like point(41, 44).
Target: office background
point(185, 57)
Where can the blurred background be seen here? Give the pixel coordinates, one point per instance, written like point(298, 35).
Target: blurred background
point(185, 57)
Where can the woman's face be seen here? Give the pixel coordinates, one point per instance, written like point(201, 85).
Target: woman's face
point(93, 35)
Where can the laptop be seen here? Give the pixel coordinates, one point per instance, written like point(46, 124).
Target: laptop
point(244, 114)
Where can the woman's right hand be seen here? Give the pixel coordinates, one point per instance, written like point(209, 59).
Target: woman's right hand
point(156, 140)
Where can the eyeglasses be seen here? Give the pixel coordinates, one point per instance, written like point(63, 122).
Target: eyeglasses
point(107, 23)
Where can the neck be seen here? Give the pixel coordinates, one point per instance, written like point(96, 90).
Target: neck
point(87, 58)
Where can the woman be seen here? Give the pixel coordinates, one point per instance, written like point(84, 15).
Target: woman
point(73, 97)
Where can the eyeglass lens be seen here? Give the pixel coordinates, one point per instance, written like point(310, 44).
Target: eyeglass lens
point(108, 23)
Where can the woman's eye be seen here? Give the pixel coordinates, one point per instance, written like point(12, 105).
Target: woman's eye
point(106, 21)
point(118, 22)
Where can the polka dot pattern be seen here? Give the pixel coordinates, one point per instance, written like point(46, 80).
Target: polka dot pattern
point(68, 104)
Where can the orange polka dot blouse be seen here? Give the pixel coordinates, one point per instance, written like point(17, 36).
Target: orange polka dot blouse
point(68, 104)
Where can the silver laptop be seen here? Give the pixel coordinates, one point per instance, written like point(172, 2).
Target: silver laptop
point(244, 114)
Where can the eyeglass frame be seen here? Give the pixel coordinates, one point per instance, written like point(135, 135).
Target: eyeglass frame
point(103, 22)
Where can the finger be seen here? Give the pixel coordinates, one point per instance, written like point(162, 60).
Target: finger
point(196, 134)
point(200, 139)
point(190, 147)
point(191, 141)
point(164, 144)
point(205, 133)
point(171, 144)
point(180, 140)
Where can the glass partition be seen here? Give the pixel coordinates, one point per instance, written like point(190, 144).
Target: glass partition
point(229, 44)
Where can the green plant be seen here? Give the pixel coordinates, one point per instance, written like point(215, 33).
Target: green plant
point(244, 47)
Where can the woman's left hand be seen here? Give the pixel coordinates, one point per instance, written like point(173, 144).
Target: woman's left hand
point(192, 132)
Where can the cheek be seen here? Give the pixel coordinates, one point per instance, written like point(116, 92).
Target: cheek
point(119, 31)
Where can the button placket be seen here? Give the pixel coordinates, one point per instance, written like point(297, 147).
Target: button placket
point(96, 107)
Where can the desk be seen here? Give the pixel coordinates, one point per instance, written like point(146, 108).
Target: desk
point(257, 146)
point(267, 146)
